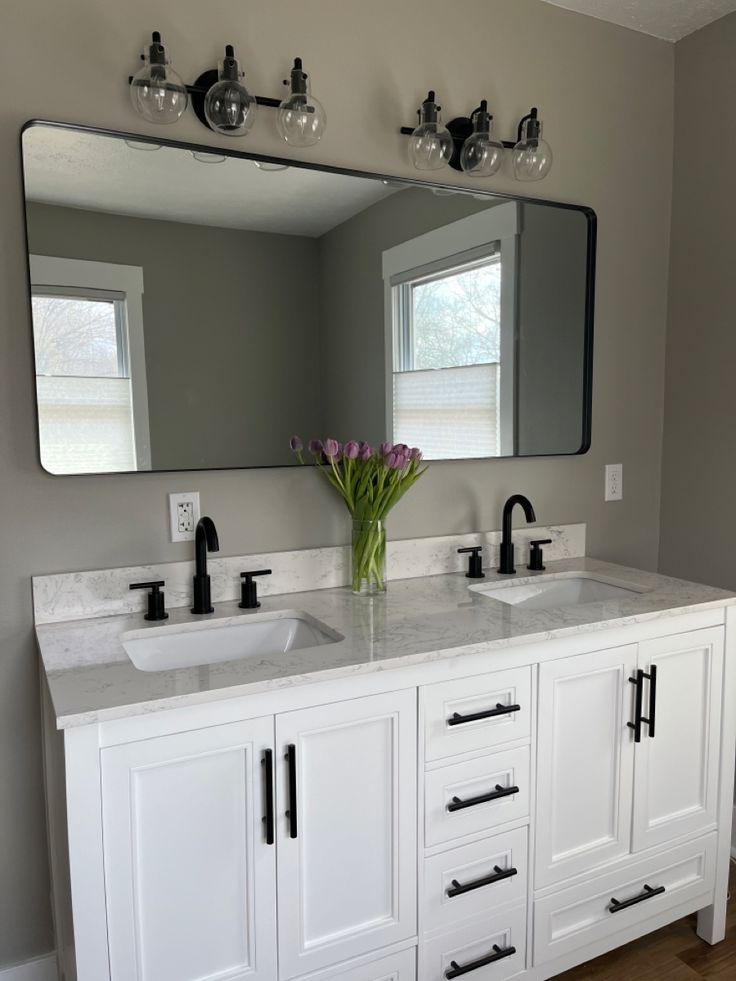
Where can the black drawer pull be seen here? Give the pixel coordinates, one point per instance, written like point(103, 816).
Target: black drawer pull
point(456, 889)
point(290, 758)
point(500, 709)
point(457, 805)
point(648, 893)
point(652, 678)
point(638, 682)
point(455, 969)
point(267, 764)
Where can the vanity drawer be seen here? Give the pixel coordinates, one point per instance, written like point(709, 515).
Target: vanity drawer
point(491, 948)
point(582, 914)
point(474, 878)
point(466, 715)
point(465, 798)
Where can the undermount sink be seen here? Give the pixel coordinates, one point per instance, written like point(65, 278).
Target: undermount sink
point(561, 589)
point(196, 644)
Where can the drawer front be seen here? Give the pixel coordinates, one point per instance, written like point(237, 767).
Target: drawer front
point(396, 967)
point(583, 914)
point(489, 949)
point(473, 879)
point(466, 798)
point(457, 713)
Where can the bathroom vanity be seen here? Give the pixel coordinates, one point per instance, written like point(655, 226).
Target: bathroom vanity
point(446, 782)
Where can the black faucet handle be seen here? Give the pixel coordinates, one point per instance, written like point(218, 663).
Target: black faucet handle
point(475, 561)
point(249, 589)
point(536, 563)
point(156, 601)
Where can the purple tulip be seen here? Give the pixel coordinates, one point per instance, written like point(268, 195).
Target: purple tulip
point(352, 450)
point(315, 446)
point(296, 444)
point(393, 461)
point(366, 452)
point(401, 448)
point(331, 448)
point(385, 448)
point(416, 454)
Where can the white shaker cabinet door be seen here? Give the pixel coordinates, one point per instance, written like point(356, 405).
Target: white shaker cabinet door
point(190, 877)
point(346, 795)
point(584, 762)
point(676, 771)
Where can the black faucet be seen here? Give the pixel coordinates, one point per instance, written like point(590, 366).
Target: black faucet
point(506, 568)
point(205, 540)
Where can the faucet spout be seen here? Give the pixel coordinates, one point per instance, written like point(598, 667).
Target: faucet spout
point(506, 566)
point(205, 540)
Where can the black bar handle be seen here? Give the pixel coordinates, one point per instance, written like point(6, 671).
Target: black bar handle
point(455, 969)
point(638, 681)
point(267, 764)
point(458, 805)
point(652, 678)
point(456, 889)
point(457, 720)
point(290, 758)
point(649, 893)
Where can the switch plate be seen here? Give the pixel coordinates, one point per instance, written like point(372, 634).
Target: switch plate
point(183, 515)
point(614, 482)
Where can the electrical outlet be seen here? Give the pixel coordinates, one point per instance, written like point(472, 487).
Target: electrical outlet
point(183, 515)
point(614, 482)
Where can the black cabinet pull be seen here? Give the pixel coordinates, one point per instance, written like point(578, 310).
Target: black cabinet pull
point(290, 758)
point(457, 805)
point(455, 969)
point(456, 889)
point(652, 678)
point(267, 764)
point(457, 719)
point(648, 893)
point(638, 681)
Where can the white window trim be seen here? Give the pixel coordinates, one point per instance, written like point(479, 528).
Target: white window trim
point(500, 224)
point(48, 270)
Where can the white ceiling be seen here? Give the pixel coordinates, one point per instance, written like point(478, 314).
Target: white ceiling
point(101, 173)
point(667, 19)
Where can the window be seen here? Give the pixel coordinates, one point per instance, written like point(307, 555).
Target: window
point(450, 310)
point(92, 402)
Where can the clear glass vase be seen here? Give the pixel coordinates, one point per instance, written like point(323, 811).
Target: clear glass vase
point(368, 558)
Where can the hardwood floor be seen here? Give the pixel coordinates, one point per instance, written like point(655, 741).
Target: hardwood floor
point(674, 953)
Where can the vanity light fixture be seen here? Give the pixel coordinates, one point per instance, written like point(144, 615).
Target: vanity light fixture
point(220, 100)
point(468, 144)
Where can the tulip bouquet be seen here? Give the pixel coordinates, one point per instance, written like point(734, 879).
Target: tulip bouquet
point(370, 482)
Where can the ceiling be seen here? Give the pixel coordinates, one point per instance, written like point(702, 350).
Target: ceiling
point(667, 19)
point(103, 173)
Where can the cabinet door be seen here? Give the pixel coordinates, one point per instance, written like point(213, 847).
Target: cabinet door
point(676, 769)
point(584, 762)
point(347, 848)
point(190, 879)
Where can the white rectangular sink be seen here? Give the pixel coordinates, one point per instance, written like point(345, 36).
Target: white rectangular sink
point(256, 636)
point(560, 589)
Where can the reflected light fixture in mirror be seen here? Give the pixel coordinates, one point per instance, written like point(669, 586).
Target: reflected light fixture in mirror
point(156, 91)
point(270, 166)
point(481, 155)
point(301, 119)
point(430, 145)
point(208, 158)
point(229, 107)
point(532, 156)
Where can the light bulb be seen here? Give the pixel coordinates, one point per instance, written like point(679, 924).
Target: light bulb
point(532, 156)
point(229, 107)
point(431, 144)
point(481, 155)
point(156, 91)
point(301, 119)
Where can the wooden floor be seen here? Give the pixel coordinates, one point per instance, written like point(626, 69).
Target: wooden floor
point(673, 953)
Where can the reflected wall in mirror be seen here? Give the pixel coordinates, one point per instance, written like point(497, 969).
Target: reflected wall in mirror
point(193, 310)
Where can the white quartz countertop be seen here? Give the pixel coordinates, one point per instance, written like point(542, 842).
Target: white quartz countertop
point(91, 678)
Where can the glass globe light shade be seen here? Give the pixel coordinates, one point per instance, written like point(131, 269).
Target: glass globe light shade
point(481, 155)
point(156, 91)
point(229, 107)
point(301, 119)
point(431, 144)
point(532, 156)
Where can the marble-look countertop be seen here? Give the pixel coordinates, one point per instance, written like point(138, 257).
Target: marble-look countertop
point(91, 679)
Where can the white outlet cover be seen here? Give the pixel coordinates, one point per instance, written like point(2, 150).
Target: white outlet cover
point(185, 497)
point(614, 490)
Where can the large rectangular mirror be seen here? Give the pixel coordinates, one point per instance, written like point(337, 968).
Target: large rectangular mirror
point(194, 310)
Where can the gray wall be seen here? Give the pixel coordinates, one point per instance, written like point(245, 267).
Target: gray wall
point(699, 458)
point(607, 98)
point(228, 382)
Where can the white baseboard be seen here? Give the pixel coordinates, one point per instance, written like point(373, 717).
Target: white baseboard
point(39, 969)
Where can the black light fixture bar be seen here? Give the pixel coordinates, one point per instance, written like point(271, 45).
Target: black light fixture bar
point(201, 88)
point(461, 127)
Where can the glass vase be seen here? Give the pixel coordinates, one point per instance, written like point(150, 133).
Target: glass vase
point(368, 557)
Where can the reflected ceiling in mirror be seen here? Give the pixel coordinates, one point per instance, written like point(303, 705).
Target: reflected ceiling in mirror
point(194, 309)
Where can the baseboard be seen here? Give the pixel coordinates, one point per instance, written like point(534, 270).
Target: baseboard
point(39, 969)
